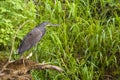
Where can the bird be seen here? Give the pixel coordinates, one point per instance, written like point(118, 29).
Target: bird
point(33, 37)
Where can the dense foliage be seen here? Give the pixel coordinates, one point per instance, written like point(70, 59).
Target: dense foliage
point(12, 14)
point(86, 45)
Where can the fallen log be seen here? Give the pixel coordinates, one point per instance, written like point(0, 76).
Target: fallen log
point(20, 69)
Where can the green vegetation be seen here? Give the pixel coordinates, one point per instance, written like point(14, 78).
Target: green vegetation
point(86, 45)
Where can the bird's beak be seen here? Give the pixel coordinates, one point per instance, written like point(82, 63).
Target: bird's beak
point(50, 24)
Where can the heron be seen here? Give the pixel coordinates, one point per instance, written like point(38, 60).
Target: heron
point(33, 37)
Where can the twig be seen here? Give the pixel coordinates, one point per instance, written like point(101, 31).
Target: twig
point(15, 37)
point(47, 66)
point(17, 71)
point(13, 45)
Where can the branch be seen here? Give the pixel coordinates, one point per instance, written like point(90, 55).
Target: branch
point(13, 44)
point(18, 70)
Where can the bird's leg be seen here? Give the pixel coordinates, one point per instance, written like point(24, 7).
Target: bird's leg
point(35, 51)
point(29, 55)
point(23, 60)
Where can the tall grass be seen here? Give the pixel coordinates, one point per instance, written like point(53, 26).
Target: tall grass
point(86, 45)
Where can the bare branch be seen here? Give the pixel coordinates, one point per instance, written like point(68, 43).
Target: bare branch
point(16, 70)
point(13, 45)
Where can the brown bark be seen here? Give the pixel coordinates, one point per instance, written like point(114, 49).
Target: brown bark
point(20, 69)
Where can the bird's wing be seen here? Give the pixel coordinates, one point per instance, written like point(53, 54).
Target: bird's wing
point(31, 39)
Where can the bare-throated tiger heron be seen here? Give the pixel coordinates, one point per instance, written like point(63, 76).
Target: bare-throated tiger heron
point(33, 37)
